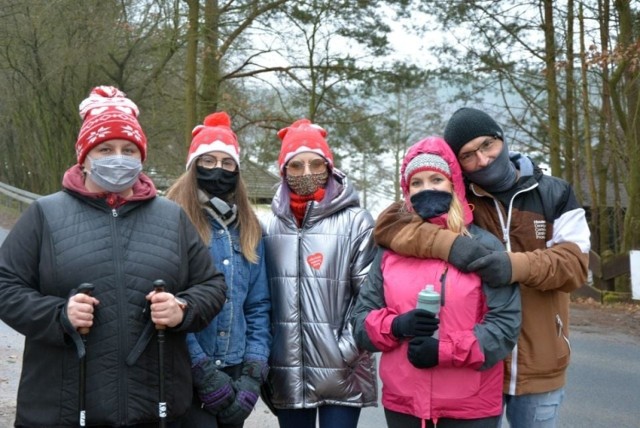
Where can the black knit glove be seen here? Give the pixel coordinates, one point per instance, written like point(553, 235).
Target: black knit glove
point(417, 322)
point(494, 269)
point(247, 388)
point(423, 352)
point(214, 387)
point(464, 251)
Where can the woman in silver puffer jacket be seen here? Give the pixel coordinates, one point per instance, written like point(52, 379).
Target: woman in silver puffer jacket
point(318, 246)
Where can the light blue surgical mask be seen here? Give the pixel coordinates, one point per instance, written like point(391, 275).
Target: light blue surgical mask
point(115, 173)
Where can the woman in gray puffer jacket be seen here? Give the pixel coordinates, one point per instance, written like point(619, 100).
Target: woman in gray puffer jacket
point(318, 246)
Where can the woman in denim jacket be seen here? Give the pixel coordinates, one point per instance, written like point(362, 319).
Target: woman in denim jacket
point(229, 357)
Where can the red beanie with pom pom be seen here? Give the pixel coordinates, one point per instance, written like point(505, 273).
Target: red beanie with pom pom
point(303, 136)
point(108, 114)
point(214, 135)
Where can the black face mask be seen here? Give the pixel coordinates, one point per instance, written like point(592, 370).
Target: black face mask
point(217, 181)
point(431, 203)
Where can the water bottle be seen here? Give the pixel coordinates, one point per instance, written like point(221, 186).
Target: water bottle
point(429, 299)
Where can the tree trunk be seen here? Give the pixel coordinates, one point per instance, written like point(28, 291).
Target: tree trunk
point(552, 89)
point(210, 94)
point(605, 130)
point(630, 120)
point(191, 70)
point(572, 170)
point(586, 135)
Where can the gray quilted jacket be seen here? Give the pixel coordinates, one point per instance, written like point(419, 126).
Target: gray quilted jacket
point(315, 273)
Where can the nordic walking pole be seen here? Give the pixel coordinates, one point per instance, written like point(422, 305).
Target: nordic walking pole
point(159, 286)
point(84, 288)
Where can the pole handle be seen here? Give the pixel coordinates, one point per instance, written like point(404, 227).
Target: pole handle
point(159, 286)
point(85, 288)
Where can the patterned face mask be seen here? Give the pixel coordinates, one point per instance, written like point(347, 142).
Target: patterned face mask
point(308, 184)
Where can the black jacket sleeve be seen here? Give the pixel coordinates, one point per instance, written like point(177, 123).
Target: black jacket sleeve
point(206, 289)
point(22, 306)
point(371, 297)
point(498, 332)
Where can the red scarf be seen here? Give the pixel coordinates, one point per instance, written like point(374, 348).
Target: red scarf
point(299, 203)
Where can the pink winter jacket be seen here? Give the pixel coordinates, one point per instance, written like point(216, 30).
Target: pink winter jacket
point(455, 388)
point(479, 324)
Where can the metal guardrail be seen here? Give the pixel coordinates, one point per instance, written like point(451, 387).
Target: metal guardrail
point(22, 197)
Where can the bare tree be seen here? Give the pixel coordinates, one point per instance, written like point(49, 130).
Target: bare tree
point(552, 88)
point(44, 66)
point(586, 133)
point(626, 103)
point(500, 46)
point(191, 68)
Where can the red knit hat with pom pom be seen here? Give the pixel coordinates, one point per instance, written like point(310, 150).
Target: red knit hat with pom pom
point(303, 136)
point(214, 135)
point(108, 114)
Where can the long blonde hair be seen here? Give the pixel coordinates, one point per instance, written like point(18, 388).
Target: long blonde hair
point(455, 216)
point(185, 193)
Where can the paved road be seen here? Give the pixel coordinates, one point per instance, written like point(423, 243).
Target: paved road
point(603, 383)
point(602, 391)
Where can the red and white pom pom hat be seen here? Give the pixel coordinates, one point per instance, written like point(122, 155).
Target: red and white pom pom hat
point(108, 114)
point(303, 136)
point(214, 135)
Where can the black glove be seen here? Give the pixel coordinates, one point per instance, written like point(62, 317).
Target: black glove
point(464, 251)
point(256, 370)
point(494, 269)
point(423, 352)
point(214, 387)
point(417, 322)
point(247, 388)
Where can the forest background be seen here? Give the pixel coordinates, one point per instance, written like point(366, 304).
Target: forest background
point(562, 78)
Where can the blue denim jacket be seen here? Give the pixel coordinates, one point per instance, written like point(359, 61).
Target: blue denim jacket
point(240, 332)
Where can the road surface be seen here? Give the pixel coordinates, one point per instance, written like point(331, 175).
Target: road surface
point(602, 391)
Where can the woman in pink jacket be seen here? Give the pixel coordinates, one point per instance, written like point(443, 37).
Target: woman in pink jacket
point(437, 370)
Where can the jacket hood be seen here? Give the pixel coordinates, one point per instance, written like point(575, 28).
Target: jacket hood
point(439, 147)
point(525, 165)
point(339, 194)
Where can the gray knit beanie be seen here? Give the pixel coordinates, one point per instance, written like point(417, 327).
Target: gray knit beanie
point(469, 123)
point(427, 162)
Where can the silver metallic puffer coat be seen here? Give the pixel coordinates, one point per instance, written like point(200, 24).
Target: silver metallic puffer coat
point(315, 273)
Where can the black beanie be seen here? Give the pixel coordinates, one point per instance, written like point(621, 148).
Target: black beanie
point(469, 123)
